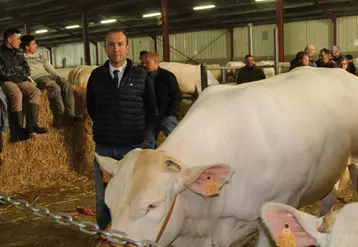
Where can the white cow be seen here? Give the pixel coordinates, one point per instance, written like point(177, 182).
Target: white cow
point(285, 139)
point(337, 229)
point(188, 76)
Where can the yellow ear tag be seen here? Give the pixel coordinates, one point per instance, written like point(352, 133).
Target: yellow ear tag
point(286, 238)
point(211, 188)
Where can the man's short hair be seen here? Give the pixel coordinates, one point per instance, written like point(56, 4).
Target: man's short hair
point(143, 53)
point(26, 40)
point(247, 56)
point(335, 48)
point(349, 57)
point(152, 54)
point(326, 51)
point(115, 30)
point(10, 32)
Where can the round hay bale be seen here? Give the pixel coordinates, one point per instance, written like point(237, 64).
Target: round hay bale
point(79, 76)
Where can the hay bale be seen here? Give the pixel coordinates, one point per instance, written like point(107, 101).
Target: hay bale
point(79, 76)
point(51, 159)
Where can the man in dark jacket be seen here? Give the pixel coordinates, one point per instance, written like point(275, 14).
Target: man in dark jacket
point(121, 103)
point(14, 73)
point(167, 94)
point(325, 60)
point(351, 67)
point(250, 72)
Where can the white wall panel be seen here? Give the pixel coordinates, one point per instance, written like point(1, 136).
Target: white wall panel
point(200, 45)
point(74, 54)
point(295, 38)
point(241, 41)
point(44, 51)
point(320, 33)
point(263, 40)
point(347, 35)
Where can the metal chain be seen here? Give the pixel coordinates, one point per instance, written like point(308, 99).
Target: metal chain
point(88, 227)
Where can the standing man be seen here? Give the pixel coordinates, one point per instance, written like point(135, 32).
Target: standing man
point(61, 96)
point(121, 103)
point(142, 57)
point(168, 96)
point(14, 73)
point(250, 72)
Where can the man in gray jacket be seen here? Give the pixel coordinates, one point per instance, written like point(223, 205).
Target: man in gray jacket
point(61, 96)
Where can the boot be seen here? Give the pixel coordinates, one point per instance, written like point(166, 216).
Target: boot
point(58, 121)
point(32, 119)
point(72, 119)
point(17, 132)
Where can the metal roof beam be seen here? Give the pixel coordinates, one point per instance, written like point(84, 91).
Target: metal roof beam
point(325, 10)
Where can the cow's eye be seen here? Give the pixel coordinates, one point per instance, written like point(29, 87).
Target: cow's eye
point(152, 206)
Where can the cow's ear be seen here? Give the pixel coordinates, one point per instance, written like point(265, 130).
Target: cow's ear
point(107, 164)
point(279, 217)
point(206, 180)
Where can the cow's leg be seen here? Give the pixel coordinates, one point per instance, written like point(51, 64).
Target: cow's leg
point(326, 204)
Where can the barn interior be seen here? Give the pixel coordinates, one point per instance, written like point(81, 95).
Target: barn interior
point(56, 170)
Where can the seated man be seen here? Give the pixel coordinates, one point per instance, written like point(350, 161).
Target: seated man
point(167, 95)
point(14, 73)
point(250, 72)
point(46, 77)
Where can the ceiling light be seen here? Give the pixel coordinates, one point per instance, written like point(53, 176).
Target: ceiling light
point(108, 21)
point(152, 14)
point(42, 31)
point(72, 26)
point(204, 7)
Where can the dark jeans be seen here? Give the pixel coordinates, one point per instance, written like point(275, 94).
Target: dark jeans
point(103, 216)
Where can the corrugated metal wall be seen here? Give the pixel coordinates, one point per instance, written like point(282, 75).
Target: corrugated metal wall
point(74, 54)
point(214, 46)
point(347, 35)
point(201, 45)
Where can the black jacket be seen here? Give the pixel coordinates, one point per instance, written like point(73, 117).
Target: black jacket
point(122, 116)
point(167, 92)
point(13, 65)
point(250, 74)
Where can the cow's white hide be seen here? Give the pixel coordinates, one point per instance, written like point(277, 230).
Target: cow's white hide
point(285, 139)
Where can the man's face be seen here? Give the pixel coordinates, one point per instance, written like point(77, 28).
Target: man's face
point(306, 60)
point(151, 63)
point(344, 64)
point(250, 61)
point(311, 51)
point(32, 47)
point(117, 48)
point(14, 41)
point(143, 58)
point(324, 56)
point(335, 53)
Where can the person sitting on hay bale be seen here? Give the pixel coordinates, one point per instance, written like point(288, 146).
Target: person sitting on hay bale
point(14, 80)
point(4, 121)
point(60, 92)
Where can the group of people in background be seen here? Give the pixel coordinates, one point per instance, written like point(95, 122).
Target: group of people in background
point(327, 59)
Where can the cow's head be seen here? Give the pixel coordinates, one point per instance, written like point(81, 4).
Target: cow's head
point(143, 186)
point(338, 228)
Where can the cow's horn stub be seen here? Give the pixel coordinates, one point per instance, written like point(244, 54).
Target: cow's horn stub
point(327, 222)
point(172, 165)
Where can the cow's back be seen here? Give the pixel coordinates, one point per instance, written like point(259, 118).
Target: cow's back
point(284, 135)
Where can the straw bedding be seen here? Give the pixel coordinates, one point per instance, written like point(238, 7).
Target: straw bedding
point(52, 159)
